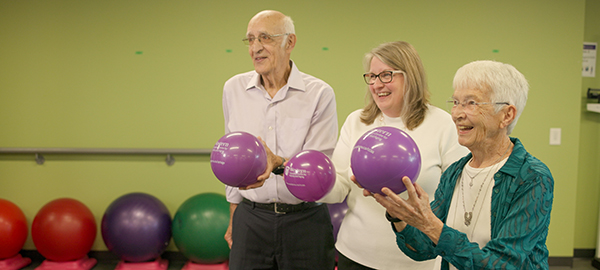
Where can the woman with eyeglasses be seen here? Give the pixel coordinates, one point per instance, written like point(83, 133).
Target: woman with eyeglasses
point(492, 207)
point(397, 96)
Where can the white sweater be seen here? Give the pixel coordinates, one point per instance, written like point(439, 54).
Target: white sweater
point(365, 236)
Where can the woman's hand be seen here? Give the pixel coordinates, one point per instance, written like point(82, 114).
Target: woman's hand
point(365, 192)
point(415, 210)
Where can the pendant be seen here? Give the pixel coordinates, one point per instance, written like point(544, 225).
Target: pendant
point(468, 217)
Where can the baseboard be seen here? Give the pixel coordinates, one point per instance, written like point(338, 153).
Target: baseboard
point(35, 256)
point(584, 253)
point(560, 261)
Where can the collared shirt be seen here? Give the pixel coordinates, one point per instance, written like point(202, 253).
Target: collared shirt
point(520, 212)
point(301, 116)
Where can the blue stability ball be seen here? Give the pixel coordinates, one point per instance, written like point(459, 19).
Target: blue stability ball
point(137, 227)
point(199, 226)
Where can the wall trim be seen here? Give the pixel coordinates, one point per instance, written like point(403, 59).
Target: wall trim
point(560, 261)
point(584, 253)
point(175, 256)
point(106, 255)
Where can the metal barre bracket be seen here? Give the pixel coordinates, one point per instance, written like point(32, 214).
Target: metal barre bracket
point(39, 159)
point(170, 160)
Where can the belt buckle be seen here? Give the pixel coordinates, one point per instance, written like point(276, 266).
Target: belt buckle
point(276, 210)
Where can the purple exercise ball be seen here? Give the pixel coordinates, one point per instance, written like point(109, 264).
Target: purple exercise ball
point(382, 157)
point(309, 175)
point(337, 212)
point(238, 158)
point(137, 227)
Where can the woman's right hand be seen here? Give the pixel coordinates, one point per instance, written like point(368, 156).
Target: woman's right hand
point(366, 193)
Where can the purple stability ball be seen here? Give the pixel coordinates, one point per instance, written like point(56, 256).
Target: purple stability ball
point(309, 175)
point(337, 212)
point(137, 227)
point(382, 157)
point(238, 158)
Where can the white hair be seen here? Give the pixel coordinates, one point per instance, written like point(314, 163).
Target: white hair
point(505, 83)
point(288, 27)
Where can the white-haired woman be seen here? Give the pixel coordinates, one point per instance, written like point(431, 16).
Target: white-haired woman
point(492, 207)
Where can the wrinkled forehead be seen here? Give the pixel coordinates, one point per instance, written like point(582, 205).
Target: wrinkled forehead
point(471, 83)
point(471, 93)
point(265, 24)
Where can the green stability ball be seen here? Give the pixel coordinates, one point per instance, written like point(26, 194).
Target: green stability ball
point(199, 227)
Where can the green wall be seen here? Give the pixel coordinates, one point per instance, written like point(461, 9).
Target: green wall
point(149, 74)
point(588, 183)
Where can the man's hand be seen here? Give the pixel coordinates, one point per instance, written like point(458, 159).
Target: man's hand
point(232, 207)
point(273, 161)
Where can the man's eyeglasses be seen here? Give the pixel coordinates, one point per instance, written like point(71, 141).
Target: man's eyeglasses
point(262, 39)
point(470, 106)
point(384, 77)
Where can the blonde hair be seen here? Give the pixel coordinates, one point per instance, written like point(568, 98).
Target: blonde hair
point(400, 55)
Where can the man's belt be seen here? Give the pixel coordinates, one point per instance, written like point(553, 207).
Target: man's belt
point(282, 208)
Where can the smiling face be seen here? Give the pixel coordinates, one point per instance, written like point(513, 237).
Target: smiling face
point(269, 57)
point(478, 126)
point(388, 96)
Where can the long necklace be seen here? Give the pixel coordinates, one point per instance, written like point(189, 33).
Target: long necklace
point(480, 209)
point(476, 217)
point(469, 215)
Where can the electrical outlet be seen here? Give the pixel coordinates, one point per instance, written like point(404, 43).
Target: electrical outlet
point(555, 136)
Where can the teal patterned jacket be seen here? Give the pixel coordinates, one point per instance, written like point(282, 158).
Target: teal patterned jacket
point(521, 204)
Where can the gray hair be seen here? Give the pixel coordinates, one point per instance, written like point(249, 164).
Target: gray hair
point(505, 83)
point(288, 27)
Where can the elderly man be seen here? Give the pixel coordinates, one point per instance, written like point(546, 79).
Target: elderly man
point(291, 111)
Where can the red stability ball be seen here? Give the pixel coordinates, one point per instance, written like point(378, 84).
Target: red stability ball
point(64, 230)
point(13, 229)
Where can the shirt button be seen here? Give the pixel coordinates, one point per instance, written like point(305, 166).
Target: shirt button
point(270, 127)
